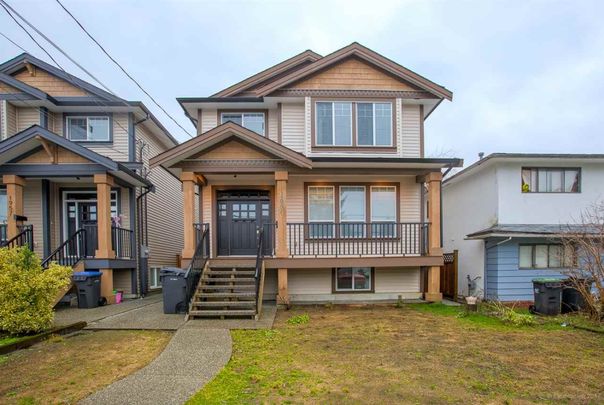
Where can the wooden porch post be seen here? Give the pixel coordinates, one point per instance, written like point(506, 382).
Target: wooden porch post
point(104, 182)
point(434, 239)
point(189, 181)
point(281, 249)
point(14, 194)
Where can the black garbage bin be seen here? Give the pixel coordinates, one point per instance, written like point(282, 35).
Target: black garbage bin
point(572, 300)
point(547, 293)
point(88, 284)
point(175, 287)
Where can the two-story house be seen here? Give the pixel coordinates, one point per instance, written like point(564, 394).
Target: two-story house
point(505, 214)
point(325, 155)
point(75, 179)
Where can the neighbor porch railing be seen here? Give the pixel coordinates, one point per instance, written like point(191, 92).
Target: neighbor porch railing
point(357, 239)
point(70, 252)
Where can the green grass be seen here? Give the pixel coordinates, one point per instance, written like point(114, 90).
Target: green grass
point(7, 340)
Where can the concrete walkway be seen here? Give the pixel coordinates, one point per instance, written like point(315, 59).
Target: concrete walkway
point(191, 359)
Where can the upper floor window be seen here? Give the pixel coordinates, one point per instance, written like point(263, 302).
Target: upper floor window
point(89, 128)
point(551, 180)
point(346, 123)
point(252, 121)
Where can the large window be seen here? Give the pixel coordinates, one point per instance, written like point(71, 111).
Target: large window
point(551, 180)
point(89, 128)
point(321, 211)
point(352, 208)
point(374, 124)
point(351, 279)
point(334, 124)
point(545, 256)
point(253, 121)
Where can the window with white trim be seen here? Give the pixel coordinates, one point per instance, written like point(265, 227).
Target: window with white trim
point(321, 211)
point(383, 211)
point(154, 280)
point(353, 279)
point(545, 256)
point(89, 128)
point(374, 124)
point(352, 211)
point(253, 121)
point(333, 123)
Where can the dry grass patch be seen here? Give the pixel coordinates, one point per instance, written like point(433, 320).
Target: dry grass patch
point(65, 370)
point(382, 354)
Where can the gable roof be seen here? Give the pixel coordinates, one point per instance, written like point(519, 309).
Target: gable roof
point(220, 134)
point(26, 141)
point(25, 88)
point(17, 63)
point(357, 50)
point(287, 65)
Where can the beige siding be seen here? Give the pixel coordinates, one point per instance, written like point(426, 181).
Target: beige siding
point(122, 280)
point(32, 207)
point(411, 130)
point(273, 125)
point(165, 216)
point(293, 126)
point(26, 117)
point(410, 195)
point(3, 123)
point(309, 281)
point(11, 119)
point(397, 280)
point(49, 84)
point(124, 208)
point(209, 120)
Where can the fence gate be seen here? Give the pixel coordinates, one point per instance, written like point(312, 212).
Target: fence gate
point(448, 275)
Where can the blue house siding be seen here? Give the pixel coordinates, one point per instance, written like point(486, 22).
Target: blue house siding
point(505, 281)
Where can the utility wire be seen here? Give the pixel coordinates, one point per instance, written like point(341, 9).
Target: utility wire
point(13, 42)
point(121, 67)
point(6, 5)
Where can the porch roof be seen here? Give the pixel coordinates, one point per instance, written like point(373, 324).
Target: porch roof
point(532, 230)
point(36, 137)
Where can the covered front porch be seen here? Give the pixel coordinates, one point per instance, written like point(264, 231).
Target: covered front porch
point(70, 205)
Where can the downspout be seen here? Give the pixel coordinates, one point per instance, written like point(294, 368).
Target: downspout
point(142, 277)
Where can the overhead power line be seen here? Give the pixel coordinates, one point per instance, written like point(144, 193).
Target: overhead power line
point(13, 42)
point(58, 48)
point(121, 67)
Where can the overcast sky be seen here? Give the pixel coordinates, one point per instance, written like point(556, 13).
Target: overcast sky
point(526, 76)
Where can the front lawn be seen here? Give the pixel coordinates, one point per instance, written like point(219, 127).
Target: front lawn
point(67, 369)
point(417, 354)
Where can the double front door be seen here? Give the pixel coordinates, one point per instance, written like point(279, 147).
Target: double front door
point(241, 214)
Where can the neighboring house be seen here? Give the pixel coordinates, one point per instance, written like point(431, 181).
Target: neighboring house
point(74, 165)
point(504, 214)
point(326, 154)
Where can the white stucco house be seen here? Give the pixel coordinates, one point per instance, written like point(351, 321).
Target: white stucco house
point(503, 214)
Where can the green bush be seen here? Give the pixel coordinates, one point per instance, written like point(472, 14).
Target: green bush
point(27, 292)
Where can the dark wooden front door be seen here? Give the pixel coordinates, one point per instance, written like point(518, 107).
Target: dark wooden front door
point(240, 215)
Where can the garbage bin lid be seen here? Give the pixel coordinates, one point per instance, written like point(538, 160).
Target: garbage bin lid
point(88, 273)
point(172, 271)
point(542, 280)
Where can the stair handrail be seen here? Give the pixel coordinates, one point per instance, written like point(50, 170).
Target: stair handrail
point(259, 269)
point(198, 262)
point(76, 243)
point(23, 238)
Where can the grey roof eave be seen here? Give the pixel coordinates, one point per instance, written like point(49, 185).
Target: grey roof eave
point(25, 88)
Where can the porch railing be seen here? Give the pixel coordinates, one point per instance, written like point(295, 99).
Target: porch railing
point(122, 240)
point(198, 262)
point(259, 272)
point(199, 230)
point(357, 239)
point(70, 252)
point(25, 237)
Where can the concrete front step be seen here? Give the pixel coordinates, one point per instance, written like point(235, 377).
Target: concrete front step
point(226, 312)
point(251, 273)
point(220, 304)
point(242, 280)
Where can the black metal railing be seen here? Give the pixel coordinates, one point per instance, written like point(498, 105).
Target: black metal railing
point(70, 252)
point(25, 237)
point(259, 264)
point(357, 239)
point(199, 230)
point(198, 262)
point(123, 242)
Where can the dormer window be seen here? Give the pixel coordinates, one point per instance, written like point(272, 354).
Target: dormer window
point(253, 121)
point(353, 124)
point(83, 128)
